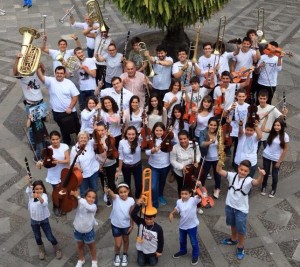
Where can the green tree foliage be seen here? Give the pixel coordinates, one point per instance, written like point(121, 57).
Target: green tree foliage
point(169, 14)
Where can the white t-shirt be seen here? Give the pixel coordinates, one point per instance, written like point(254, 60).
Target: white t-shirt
point(104, 43)
point(268, 74)
point(113, 66)
point(90, 42)
point(125, 153)
point(274, 150)
point(87, 120)
point(188, 213)
point(117, 96)
point(271, 118)
point(247, 149)
point(133, 120)
point(177, 67)
point(198, 96)
point(86, 81)
point(54, 53)
point(31, 87)
point(244, 59)
point(240, 113)
point(60, 93)
point(114, 123)
point(119, 215)
point(53, 174)
point(168, 98)
point(202, 122)
point(176, 130)
point(205, 64)
point(235, 199)
point(229, 94)
point(159, 159)
point(212, 152)
point(162, 79)
point(223, 62)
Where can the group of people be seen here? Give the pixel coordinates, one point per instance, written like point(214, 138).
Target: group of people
point(124, 113)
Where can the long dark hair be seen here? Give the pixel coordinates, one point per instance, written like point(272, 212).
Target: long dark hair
point(134, 143)
point(39, 182)
point(208, 99)
point(273, 133)
point(157, 124)
point(177, 107)
point(130, 101)
point(114, 104)
point(88, 99)
point(159, 105)
point(173, 81)
point(215, 120)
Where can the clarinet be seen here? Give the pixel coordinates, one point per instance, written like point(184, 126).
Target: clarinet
point(121, 109)
point(125, 46)
point(284, 107)
point(29, 174)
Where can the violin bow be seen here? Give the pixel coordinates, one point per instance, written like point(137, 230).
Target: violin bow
point(272, 109)
point(199, 174)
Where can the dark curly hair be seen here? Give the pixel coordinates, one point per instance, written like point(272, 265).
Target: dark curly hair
point(114, 104)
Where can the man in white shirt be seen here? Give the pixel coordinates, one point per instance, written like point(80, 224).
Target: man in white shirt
point(115, 93)
point(63, 96)
point(162, 66)
point(86, 76)
point(90, 42)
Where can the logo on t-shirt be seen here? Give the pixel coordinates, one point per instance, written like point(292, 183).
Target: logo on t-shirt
point(33, 85)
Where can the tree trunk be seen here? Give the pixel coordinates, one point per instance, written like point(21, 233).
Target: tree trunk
point(175, 39)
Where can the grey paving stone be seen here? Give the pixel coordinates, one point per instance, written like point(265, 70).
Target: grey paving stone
point(296, 255)
point(221, 226)
point(5, 225)
point(277, 216)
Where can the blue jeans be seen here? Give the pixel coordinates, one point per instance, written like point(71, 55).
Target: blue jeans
point(45, 225)
point(237, 219)
point(83, 97)
point(159, 177)
point(137, 174)
point(206, 168)
point(267, 166)
point(143, 259)
point(27, 2)
point(192, 233)
point(90, 52)
point(89, 183)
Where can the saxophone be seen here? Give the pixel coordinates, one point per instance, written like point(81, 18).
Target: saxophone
point(31, 54)
point(221, 147)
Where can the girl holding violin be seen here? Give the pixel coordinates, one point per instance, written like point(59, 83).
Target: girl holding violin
point(156, 112)
point(89, 114)
point(159, 162)
point(111, 117)
point(133, 115)
point(268, 67)
point(61, 160)
point(209, 148)
point(108, 165)
point(130, 159)
point(174, 97)
point(177, 122)
point(87, 163)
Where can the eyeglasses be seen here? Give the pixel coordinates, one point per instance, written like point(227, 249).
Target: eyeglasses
point(104, 32)
point(111, 50)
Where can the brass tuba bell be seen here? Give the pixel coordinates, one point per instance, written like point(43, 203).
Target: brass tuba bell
point(149, 72)
point(94, 12)
point(31, 54)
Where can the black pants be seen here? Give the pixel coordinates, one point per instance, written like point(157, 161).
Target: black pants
point(110, 172)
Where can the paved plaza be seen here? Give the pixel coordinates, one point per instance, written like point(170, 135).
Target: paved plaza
point(273, 237)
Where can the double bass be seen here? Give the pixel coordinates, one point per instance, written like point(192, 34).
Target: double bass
point(71, 179)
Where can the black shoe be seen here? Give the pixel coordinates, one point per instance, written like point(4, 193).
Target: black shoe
point(29, 6)
point(194, 261)
point(108, 203)
point(24, 5)
point(178, 255)
point(57, 212)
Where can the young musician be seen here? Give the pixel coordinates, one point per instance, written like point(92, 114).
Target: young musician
point(133, 115)
point(135, 56)
point(177, 122)
point(156, 112)
point(173, 97)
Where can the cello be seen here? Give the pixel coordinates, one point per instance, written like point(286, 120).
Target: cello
point(71, 179)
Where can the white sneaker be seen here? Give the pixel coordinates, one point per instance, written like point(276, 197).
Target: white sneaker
point(80, 263)
point(208, 177)
point(124, 260)
point(117, 260)
point(94, 264)
point(105, 197)
point(200, 211)
point(216, 193)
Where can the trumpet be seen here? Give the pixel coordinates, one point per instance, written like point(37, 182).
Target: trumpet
point(44, 24)
point(69, 13)
point(220, 37)
point(2, 12)
point(149, 72)
point(261, 26)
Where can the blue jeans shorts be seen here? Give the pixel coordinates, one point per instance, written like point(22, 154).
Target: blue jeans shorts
point(116, 231)
point(87, 238)
point(236, 218)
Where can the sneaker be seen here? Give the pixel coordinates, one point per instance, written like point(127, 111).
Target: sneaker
point(124, 260)
point(216, 193)
point(263, 191)
point(80, 263)
point(272, 194)
point(200, 211)
point(208, 177)
point(240, 253)
point(178, 255)
point(108, 203)
point(94, 264)
point(57, 212)
point(29, 6)
point(117, 260)
point(105, 197)
point(228, 241)
point(194, 261)
point(162, 201)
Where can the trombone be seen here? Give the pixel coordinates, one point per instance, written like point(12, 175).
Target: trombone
point(69, 13)
point(220, 37)
point(261, 26)
point(149, 72)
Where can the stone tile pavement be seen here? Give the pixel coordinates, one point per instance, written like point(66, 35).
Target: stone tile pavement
point(273, 237)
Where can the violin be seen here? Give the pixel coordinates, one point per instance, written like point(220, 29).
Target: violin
point(219, 106)
point(276, 51)
point(112, 152)
point(147, 140)
point(191, 176)
point(71, 179)
point(226, 133)
point(237, 76)
point(252, 112)
point(206, 200)
point(47, 154)
point(98, 143)
point(209, 78)
point(166, 144)
point(190, 116)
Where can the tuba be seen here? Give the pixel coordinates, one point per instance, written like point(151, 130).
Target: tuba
point(146, 195)
point(31, 54)
point(94, 12)
point(149, 72)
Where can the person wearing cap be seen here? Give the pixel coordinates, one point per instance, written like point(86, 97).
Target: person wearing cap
point(150, 239)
